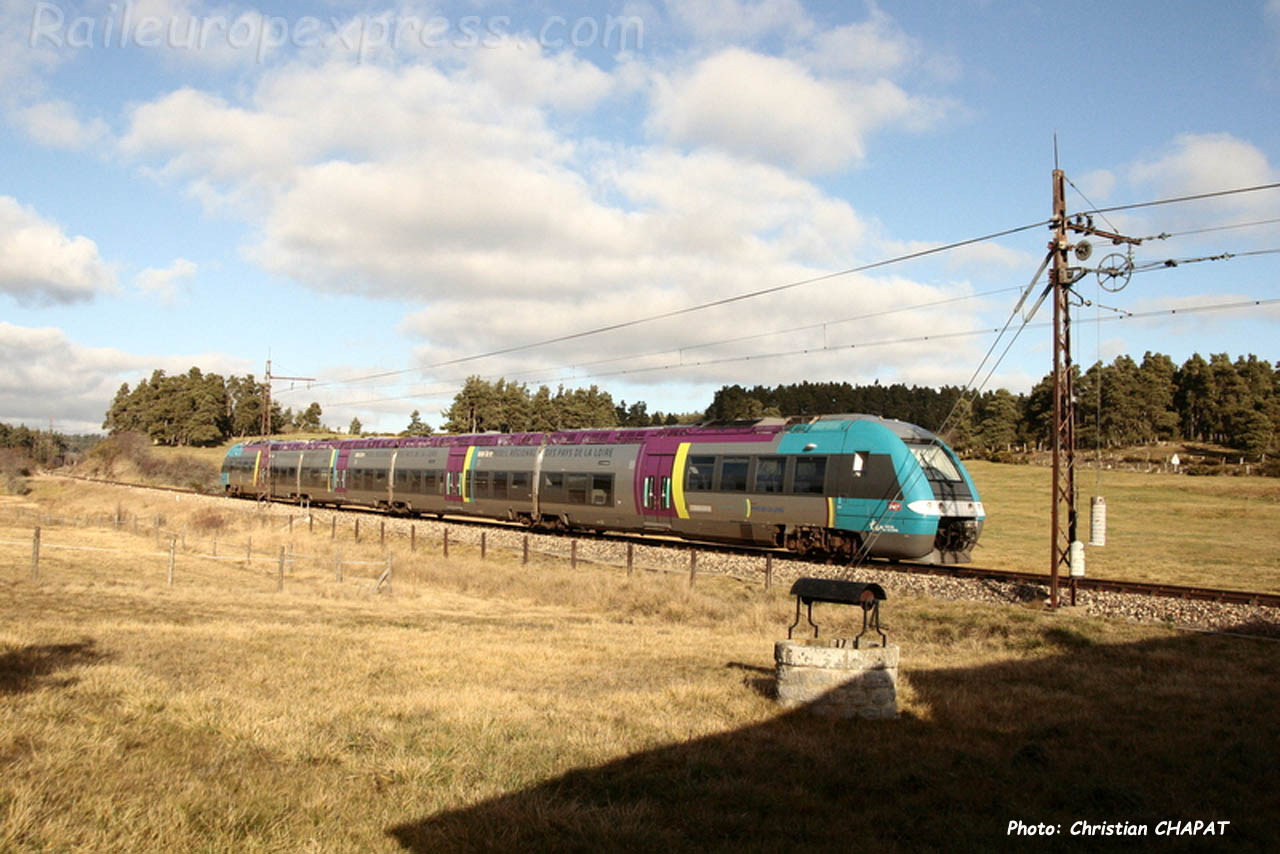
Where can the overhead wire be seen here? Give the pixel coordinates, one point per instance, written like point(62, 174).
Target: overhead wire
point(613, 327)
point(1177, 199)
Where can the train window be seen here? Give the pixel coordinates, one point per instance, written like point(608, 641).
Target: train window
point(810, 475)
point(935, 462)
point(666, 493)
point(769, 472)
point(868, 476)
point(520, 485)
point(430, 482)
point(733, 474)
point(701, 473)
point(576, 488)
point(499, 484)
point(602, 490)
point(480, 484)
point(553, 487)
point(647, 491)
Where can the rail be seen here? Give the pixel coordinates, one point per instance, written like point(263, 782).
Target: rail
point(1108, 585)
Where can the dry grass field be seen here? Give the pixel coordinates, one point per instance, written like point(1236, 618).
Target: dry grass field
point(1173, 529)
point(485, 705)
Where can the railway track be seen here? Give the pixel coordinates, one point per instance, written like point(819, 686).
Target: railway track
point(1106, 585)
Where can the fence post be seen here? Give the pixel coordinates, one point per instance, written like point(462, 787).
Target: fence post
point(333, 527)
point(446, 543)
point(173, 546)
point(311, 523)
point(768, 571)
point(413, 538)
point(35, 554)
point(631, 558)
point(573, 554)
point(382, 532)
point(482, 544)
point(118, 515)
point(693, 567)
point(280, 573)
point(357, 529)
point(524, 560)
point(248, 553)
point(291, 524)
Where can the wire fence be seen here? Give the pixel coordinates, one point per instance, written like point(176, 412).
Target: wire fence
point(400, 549)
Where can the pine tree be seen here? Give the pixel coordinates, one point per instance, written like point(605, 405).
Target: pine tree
point(355, 427)
point(416, 426)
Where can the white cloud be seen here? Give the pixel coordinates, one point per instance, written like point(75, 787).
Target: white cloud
point(742, 20)
point(39, 264)
point(776, 110)
point(22, 64)
point(1206, 163)
point(562, 82)
point(164, 282)
point(44, 374)
point(1097, 185)
point(454, 187)
point(55, 123)
point(873, 46)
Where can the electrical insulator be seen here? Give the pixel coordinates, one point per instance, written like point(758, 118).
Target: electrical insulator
point(1077, 559)
point(1098, 521)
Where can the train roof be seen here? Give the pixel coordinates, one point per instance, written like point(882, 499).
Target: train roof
point(763, 427)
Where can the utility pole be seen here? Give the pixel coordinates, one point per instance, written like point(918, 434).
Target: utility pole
point(1061, 277)
point(1063, 515)
point(266, 397)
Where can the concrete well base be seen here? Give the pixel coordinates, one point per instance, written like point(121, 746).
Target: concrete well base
point(832, 678)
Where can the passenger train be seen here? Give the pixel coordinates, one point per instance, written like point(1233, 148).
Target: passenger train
point(837, 486)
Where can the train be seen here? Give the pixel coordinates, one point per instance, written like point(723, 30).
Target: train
point(839, 487)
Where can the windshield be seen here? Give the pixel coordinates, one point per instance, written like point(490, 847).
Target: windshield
point(936, 463)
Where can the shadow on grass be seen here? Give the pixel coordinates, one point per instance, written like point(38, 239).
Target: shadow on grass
point(1177, 729)
point(27, 668)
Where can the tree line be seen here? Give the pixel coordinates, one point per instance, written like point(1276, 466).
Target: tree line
point(510, 407)
point(1217, 400)
point(196, 408)
point(1234, 403)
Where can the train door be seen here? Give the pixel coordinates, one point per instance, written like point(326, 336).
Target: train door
point(338, 472)
point(453, 474)
point(654, 489)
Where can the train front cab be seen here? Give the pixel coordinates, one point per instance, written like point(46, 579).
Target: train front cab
point(897, 485)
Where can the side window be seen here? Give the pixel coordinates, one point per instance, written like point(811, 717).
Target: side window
point(553, 487)
point(602, 490)
point(666, 493)
point(811, 474)
point(520, 485)
point(646, 490)
point(769, 472)
point(576, 488)
point(480, 484)
point(701, 470)
point(733, 474)
point(499, 484)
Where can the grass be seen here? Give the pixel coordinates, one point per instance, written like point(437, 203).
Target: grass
point(489, 706)
point(1172, 529)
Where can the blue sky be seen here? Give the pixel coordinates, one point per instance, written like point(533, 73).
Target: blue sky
point(353, 189)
